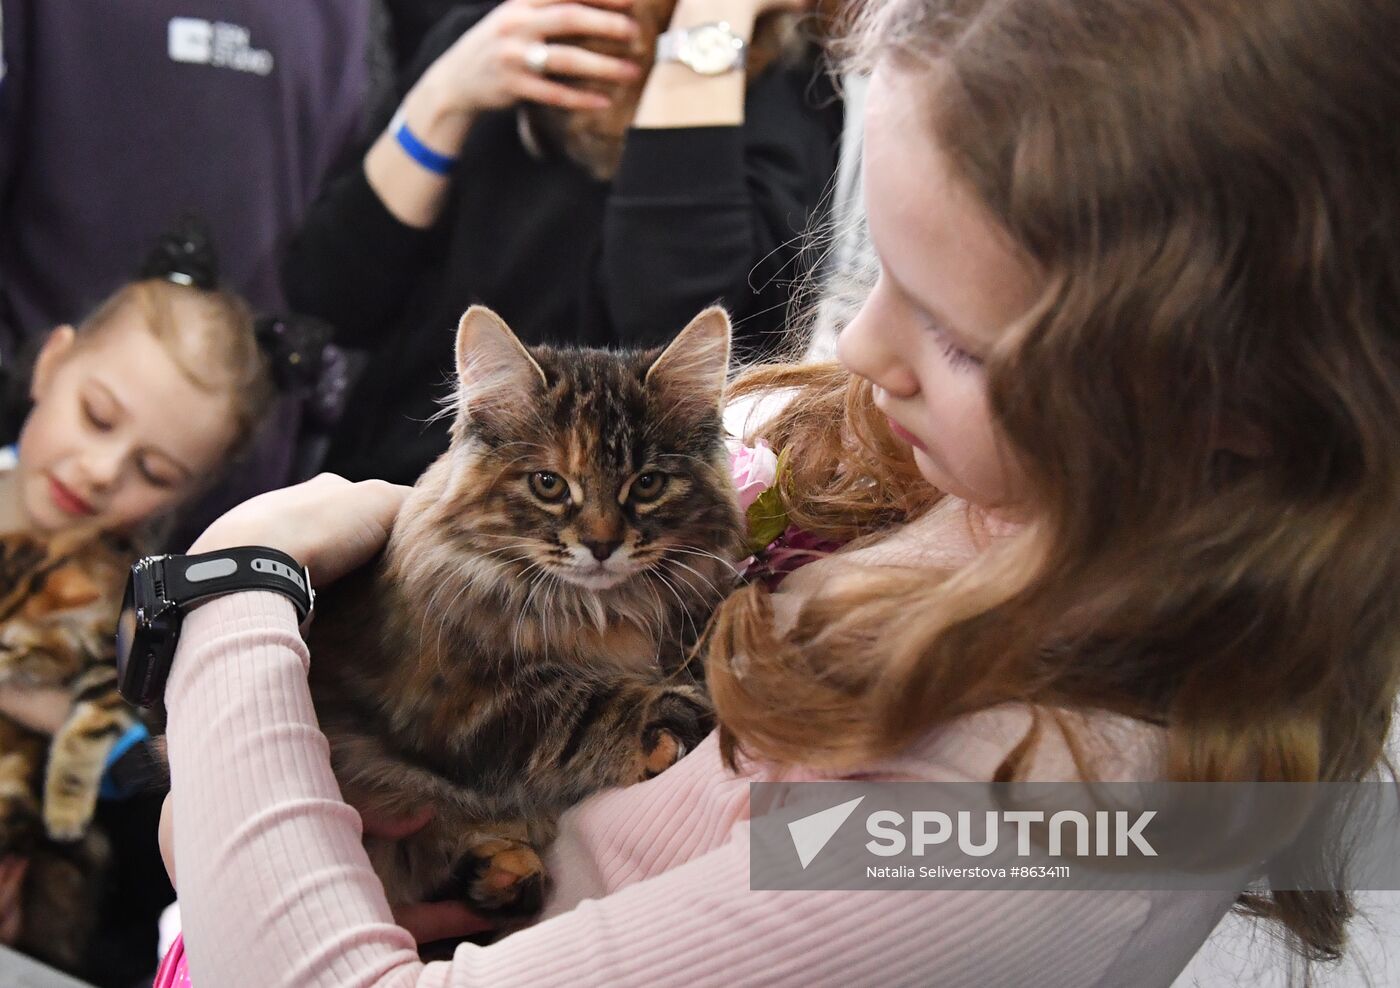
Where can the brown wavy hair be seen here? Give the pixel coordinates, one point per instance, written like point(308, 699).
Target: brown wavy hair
point(1205, 402)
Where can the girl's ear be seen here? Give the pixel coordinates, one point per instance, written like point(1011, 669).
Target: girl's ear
point(55, 350)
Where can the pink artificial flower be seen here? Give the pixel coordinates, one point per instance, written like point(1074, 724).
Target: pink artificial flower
point(754, 469)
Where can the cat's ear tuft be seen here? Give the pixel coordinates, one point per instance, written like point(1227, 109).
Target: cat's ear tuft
point(493, 366)
point(696, 364)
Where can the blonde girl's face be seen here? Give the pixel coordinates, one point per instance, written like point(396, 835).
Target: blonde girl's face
point(950, 281)
point(117, 435)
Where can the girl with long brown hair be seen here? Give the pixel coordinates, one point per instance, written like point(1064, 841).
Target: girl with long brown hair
point(1116, 445)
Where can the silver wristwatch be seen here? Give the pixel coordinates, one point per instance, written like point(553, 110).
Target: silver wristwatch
point(707, 49)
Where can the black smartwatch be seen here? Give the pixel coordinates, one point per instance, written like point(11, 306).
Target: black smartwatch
point(163, 588)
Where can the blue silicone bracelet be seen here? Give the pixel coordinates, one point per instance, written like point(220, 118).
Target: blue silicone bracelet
point(134, 735)
point(438, 164)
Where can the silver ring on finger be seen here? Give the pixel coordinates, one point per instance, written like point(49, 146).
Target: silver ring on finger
point(537, 58)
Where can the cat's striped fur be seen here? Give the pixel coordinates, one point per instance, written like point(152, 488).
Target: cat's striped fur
point(522, 643)
point(59, 600)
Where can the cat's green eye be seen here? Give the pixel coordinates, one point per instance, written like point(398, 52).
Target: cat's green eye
point(548, 486)
point(648, 486)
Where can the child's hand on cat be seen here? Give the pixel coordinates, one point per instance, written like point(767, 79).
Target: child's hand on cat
point(328, 524)
point(488, 69)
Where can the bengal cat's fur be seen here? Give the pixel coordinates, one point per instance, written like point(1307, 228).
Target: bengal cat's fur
point(482, 667)
point(58, 609)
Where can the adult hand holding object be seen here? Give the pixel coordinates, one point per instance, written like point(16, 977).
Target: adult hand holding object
point(501, 61)
point(680, 91)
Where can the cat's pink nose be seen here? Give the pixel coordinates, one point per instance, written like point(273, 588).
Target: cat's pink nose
point(601, 550)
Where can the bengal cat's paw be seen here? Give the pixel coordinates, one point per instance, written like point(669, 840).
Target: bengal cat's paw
point(67, 820)
point(678, 721)
point(500, 875)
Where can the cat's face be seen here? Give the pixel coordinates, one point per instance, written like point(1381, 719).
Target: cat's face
point(594, 468)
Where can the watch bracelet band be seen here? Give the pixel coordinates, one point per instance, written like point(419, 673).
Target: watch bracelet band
point(189, 579)
point(668, 46)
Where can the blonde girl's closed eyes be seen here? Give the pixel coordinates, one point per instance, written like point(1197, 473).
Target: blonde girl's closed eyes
point(105, 413)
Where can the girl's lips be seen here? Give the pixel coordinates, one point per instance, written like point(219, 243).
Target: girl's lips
point(906, 435)
point(67, 501)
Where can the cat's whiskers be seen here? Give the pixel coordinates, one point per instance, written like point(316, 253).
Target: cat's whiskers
point(535, 583)
point(685, 611)
point(660, 616)
point(693, 551)
point(465, 576)
point(691, 569)
point(443, 619)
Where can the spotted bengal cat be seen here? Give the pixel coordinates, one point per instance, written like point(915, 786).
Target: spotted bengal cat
point(59, 600)
point(523, 641)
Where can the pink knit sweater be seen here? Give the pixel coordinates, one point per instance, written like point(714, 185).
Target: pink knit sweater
point(652, 882)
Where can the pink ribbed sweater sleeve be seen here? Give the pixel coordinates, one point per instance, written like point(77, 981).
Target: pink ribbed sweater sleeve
point(276, 890)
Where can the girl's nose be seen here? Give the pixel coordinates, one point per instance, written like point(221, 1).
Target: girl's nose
point(102, 466)
point(870, 346)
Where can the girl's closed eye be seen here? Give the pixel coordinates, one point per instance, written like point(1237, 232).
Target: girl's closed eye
point(99, 418)
point(959, 359)
point(157, 476)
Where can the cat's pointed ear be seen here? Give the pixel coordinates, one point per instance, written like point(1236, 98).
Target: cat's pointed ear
point(493, 367)
point(694, 367)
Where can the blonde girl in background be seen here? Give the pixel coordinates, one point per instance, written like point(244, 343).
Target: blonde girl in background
point(135, 411)
point(1118, 432)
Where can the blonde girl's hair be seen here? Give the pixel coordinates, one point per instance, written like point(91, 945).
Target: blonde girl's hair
point(1205, 402)
point(216, 350)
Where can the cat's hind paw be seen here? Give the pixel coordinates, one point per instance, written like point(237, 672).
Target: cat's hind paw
point(500, 875)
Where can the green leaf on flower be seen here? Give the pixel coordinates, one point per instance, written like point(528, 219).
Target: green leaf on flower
point(767, 516)
point(767, 519)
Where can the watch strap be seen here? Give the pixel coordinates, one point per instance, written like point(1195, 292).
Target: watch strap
point(668, 46)
point(190, 579)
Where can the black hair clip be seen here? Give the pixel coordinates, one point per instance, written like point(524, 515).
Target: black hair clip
point(185, 256)
point(295, 347)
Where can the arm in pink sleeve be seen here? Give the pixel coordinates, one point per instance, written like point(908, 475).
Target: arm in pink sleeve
point(276, 890)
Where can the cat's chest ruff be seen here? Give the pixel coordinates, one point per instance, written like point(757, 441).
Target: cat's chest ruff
point(621, 644)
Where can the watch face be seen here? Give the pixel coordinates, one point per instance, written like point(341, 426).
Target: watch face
point(712, 50)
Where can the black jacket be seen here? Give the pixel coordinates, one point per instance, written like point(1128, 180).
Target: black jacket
point(694, 216)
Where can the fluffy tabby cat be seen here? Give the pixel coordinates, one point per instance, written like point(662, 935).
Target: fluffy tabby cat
point(58, 608)
point(522, 641)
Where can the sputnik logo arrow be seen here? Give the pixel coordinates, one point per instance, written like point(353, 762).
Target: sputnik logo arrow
point(811, 833)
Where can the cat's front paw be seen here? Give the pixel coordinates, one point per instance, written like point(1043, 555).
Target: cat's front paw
point(677, 722)
point(67, 822)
